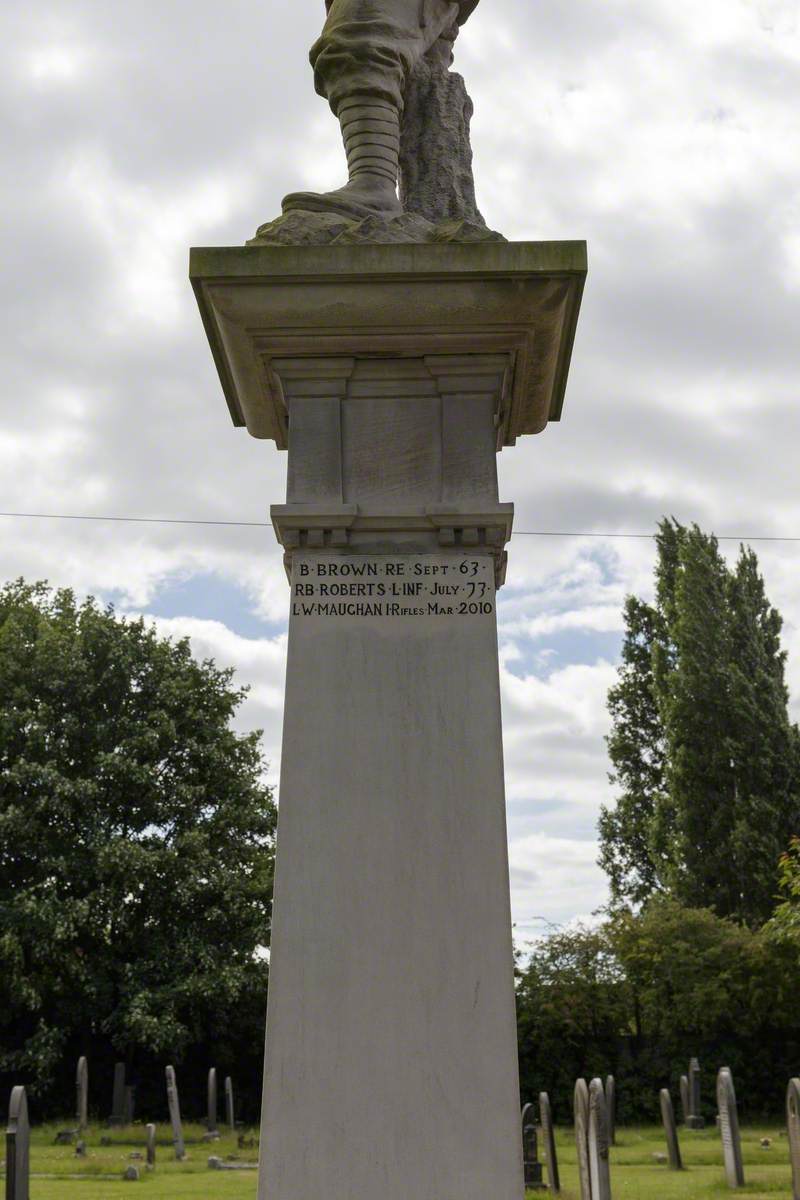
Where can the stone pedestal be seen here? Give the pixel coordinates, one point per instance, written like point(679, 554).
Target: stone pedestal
point(392, 374)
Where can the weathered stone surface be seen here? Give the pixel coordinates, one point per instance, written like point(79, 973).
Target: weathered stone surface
point(118, 1096)
point(611, 1105)
point(793, 1126)
point(212, 1108)
point(219, 1164)
point(131, 1174)
point(694, 1120)
point(356, 66)
point(599, 1142)
point(298, 228)
point(417, 674)
point(530, 1150)
point(263, 305)
point(80, 1150)
point(18, 1137)
point(436, 178)
point(670, 1130)
point(581, 1114)
point(549, 1139)
point(378, 1027)
point(150, 1132)
point(686, 1108)
point(129, 1107)
point(82, 1093)
point(230, 1111)
point(301, 228)
point(175, 1114)
point(729, 1128)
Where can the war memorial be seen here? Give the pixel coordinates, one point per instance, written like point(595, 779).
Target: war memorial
point(392, 346)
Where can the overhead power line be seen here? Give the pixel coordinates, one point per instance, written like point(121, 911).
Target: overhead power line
point(542, 533)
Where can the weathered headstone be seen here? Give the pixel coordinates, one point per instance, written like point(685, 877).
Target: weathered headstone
point(175, 1114)
point(670, 1130)
point(230, 1111)
point(549, 1139)
point(581, 1113)
point(17, 1164)
point(131, 1174)
point(530, 1150)
point(729, 1128)
point(218, 1164)
point(694, 1120)
point(118, 1096)
point(686, 1108)
point(611, 1105)
point(130, 1104)
point(599, 1142)
point(82, 1093)
point(793, 1126)
point(18, 1136)
point(150, 1131)
point(212, 1107)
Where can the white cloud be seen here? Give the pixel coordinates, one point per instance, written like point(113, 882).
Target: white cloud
point(664, 133)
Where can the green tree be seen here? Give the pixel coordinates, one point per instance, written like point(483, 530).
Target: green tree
point(701, 744)
point(571, 1009)
point(136, 840)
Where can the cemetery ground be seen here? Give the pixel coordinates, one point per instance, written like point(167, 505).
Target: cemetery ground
point(58, 1175)
point(635, 1175)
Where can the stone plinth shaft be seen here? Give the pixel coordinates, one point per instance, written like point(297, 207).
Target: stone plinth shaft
point(391, 1045)
point(392, 375)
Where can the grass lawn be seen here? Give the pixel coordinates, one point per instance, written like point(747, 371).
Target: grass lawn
point(58, 1175)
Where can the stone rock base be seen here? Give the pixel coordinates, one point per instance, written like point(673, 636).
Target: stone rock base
point(300, 228)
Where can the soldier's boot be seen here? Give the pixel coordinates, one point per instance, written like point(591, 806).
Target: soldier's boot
point(371, 133)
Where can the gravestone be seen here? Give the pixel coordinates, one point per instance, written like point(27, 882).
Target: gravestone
point(532, 1168)
point(82, 1093)
point(175, 1114)
point(611, 1105)
point(230, 1111)
point(729, 1128)
point(581, 1114)
point(670, 1130)
point(599, 1142)
point(694, 1120)
point(686, 1108)
point(118, 1096)
point(150, 1131)
point(18, 1136)
point(392, 373)
point(793, 1126)
point(549, 1139)
point(130, 1104)
point(212, 1107)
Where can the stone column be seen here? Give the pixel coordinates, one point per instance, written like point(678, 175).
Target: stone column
point(392, 374)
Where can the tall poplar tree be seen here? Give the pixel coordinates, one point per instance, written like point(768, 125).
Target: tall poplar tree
point(702, 749)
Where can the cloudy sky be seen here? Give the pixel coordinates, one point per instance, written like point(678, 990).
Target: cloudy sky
point(665, 132)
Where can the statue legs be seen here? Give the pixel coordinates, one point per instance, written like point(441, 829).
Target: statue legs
point(361, 63)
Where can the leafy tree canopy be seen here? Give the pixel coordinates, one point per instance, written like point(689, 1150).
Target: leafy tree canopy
point(136, 838)
point(704, 754)
point(639, 994)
